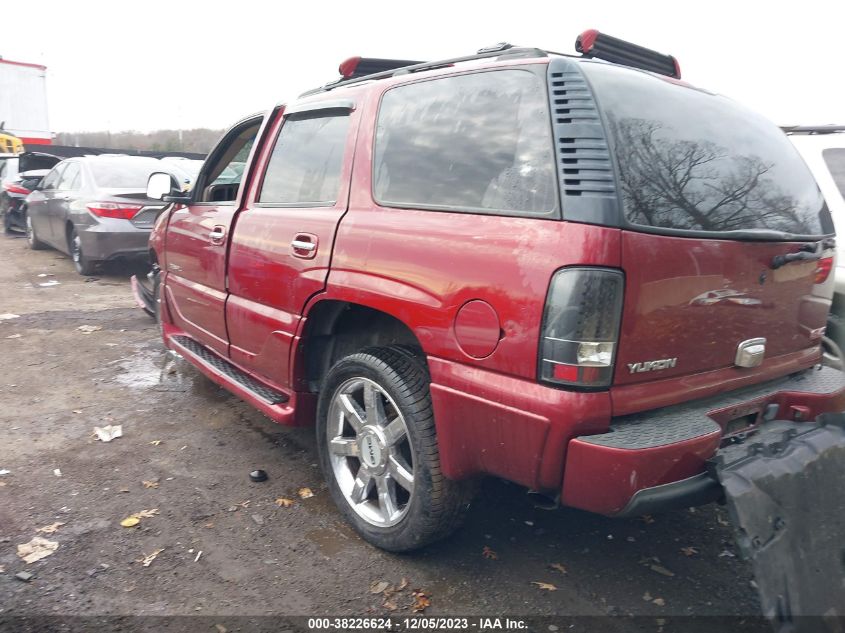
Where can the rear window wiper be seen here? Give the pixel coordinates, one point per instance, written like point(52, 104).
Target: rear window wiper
point(807, 252)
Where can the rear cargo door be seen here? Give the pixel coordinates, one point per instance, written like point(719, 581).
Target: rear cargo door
point(726, 243)
point(691, 303)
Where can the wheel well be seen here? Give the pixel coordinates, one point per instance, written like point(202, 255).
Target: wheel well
point(68, 231)
point(337, 328)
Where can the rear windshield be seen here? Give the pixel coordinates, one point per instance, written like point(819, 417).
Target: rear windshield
point(691, 160)
point(834, 158)
point(124, 174)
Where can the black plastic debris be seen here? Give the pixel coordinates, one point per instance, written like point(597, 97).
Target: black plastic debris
point(785, 490)
point(258, 475)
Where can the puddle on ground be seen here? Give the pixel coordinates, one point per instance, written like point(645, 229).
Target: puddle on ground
point(161, 371)
point(328, 541)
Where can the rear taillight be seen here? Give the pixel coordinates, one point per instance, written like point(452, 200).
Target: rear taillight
point(581, 327)
point(823, 268)
point(11, 188)
point(114, 210)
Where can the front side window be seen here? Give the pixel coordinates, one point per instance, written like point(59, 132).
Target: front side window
point(834, 158)
point(305, 167)
point(691, 160)
point(478, 143)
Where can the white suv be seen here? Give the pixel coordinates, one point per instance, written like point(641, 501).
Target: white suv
point(823, 149)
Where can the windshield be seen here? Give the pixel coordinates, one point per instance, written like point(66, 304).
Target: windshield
point(124, 173)
point(691, 160)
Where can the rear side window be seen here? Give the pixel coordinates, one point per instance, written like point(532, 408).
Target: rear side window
point(52, 179)
point(123, 173)
point(304, 169)
point(70, 178)
point(478, 143)
point(691, 160)
point(835, 161)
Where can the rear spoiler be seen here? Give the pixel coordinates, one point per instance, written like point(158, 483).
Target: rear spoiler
point(812, 129)
point(594, 44)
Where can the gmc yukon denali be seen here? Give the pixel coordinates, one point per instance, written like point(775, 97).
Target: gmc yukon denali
point(577, 273)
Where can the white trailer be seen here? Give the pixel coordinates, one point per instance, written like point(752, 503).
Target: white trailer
point(23, 101)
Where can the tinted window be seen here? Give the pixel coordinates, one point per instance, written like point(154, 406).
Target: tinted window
point(305, 166)
point(479, 142)
point(124, 173)
point(835, 161)
point(692, 160)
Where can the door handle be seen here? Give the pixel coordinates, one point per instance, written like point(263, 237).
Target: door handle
point(304, 245)
point(300, 245)
point(217, 234)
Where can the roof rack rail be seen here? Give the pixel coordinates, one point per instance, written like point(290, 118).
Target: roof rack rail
point(499, 50)
point(594, 44)
point(812, 129)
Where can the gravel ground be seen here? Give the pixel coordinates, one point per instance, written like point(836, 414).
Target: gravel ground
point(224, 547)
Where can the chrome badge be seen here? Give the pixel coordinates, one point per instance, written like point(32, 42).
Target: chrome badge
point(652, 365)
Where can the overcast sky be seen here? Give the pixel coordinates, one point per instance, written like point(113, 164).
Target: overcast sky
point(182, 64)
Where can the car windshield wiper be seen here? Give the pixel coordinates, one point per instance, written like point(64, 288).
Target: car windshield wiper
point(807, 252)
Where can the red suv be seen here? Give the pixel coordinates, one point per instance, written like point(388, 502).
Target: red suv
point(584, 277)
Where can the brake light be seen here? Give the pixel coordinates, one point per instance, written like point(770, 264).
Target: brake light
point(823, 268)
point(581, 327)
point(11, 188)
point(114, 210)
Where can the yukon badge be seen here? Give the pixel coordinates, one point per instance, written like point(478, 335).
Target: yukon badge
point(652, 365)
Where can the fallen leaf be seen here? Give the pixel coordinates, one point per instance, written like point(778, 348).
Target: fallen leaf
point(87, 329)
point(150, 484)
point(647, 597)
point(659, 602)
point(155, 442)
point(146, 514)
point(305, 493)
point(660, 569)
point(390, 605)
point(558, 567)
point(489, 553)
point(421, 602)
point(544, 586)
point(220, 628)
point(647, 519)
point(14, 336)
point(36, 549)
point(378, 586)
point(2, 569)
point(148, 559)
point(49, 529)
point(77, 410)
point(245, 504)
point(210, 524)
point(689, 551)
point(282, 502)
point(721, 521)
point(129, 522)
point(403, 584)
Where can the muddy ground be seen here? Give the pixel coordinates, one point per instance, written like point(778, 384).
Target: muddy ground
point(197, 445)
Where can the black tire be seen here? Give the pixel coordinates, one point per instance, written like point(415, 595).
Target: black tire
point(8, 226)
point(437, 505)
point(84, 265)
point(31, 238)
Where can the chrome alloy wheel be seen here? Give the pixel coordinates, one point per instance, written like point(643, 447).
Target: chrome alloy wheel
point(370, 452)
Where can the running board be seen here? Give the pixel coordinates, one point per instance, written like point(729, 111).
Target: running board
point(220, 365)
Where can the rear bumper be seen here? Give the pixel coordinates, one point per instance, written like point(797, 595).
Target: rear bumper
point(658, 459)
point(559, 442)
point(111, 238)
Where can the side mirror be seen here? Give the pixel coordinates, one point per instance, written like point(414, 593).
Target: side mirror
point(159, 185)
